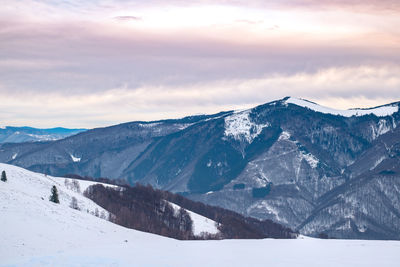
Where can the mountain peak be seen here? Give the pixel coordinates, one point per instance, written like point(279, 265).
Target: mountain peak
point(381, 111)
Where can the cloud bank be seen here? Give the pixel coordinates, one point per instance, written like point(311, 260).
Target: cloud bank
point(88, 64)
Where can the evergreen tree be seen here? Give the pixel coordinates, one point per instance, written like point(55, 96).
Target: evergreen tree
point(4, 176)
point(54, 195)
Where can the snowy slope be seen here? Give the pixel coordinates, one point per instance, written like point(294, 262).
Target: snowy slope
point(379, 111)
point(201, 224)
point(240, 127)
point(36, 232)
point(36, 188)
point(83, 184)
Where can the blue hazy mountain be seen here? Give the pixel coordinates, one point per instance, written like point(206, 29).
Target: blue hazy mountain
point(11, 134)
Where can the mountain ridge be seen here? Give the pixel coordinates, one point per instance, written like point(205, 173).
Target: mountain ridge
point(274, 161)
point(12, 134)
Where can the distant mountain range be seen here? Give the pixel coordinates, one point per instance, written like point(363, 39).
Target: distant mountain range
point(315, 169)
point(10, 134)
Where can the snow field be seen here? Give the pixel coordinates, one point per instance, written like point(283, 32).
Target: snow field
point(37, 232)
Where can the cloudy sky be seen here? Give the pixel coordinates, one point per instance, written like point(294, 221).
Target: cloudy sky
point(103, 62)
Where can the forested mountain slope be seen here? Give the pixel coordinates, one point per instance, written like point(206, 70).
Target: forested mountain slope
point(312, 168)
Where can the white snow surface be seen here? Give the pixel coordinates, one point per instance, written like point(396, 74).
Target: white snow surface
point(383, 127)
point(42, 137)
point(36, 232)
point(379, 111)
point(29, 186)
point(201, 224)
point(377, 162)
point(184, 125)
point(149, 125)
point(284, 136)
point(75, 159)
point(240, 127)
point(311, 160)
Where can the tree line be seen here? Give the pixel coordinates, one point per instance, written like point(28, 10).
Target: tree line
point(147, 209)
point(143, 210)
point(232, 224)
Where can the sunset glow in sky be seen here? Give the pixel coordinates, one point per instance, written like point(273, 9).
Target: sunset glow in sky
point(98, 63)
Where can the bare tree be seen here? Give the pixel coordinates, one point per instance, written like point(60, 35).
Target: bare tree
point(76, 186)
point(103, 215)
point(74, 203)
point(72, 185)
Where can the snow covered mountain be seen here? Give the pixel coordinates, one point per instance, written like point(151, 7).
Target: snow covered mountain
point(37, 232)
point(10, 134)
point(312, 168)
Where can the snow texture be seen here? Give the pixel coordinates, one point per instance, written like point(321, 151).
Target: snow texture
point(149, 125)
point(264, 205)
point(241, 128)
point(37, 232)
point(75, 159)
point(382, 128)
point(377, 162)
point(201, 224)
point(284, 136)
point(24, 185)
point(184, 125)
point(311, 160)
point(379, 111)
point(41, 137)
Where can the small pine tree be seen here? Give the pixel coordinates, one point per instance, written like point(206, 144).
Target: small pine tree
point(4, 176)
point(54, 195)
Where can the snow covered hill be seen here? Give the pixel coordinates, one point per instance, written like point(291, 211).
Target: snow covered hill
point(37, 232)
point(201, 224)
point(35, 188)
point(38, 186)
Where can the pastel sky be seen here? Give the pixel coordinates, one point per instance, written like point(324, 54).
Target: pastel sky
point(102, 62)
